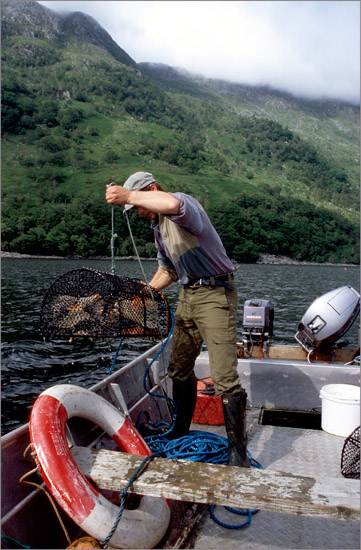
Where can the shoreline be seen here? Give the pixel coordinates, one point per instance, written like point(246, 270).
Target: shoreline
point(41, 257)
point(264, 259)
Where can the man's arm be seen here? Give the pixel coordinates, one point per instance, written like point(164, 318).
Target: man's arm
point(156, 201)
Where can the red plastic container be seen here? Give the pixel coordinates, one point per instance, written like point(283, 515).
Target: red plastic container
point(208, 409)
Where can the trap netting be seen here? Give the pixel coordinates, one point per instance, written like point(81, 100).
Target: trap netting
point(87, 302)
point(350, 456)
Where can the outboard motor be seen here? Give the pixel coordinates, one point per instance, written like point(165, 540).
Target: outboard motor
point(257, 327)
point(327, 319)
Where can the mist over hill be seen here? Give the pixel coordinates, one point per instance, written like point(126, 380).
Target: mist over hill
point(277, 174)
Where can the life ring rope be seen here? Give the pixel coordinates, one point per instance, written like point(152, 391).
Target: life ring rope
point(123, 494)
point(78, 498)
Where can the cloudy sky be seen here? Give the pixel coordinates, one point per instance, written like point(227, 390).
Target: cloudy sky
point(308, 48)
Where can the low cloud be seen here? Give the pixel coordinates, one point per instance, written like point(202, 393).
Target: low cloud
point(308, 48)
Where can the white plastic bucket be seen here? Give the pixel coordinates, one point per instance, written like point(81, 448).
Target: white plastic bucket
point(340, 408)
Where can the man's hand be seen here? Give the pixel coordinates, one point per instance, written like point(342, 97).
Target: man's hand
point(147, 289)
point(161, 280)
point(147, 204)
point(116, 194)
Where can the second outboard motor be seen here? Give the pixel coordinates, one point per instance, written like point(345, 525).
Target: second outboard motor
point(327, 319)
point(257, 327)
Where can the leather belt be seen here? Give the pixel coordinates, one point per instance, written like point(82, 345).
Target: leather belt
point(224, 279)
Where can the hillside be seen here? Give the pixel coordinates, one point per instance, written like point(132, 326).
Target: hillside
point(331, 127)
point(277, 174)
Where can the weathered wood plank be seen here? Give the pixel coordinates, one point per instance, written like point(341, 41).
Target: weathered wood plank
point(296, 353)
point(223, 485)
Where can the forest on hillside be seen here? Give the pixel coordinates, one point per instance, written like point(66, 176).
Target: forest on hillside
point(68, 125)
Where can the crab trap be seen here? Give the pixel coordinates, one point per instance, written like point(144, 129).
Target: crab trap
point(90, 303)
point(350, 456)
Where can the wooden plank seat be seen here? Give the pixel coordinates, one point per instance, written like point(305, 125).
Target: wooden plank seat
point(223, 485)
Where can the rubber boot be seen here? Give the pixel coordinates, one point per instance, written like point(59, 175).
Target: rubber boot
point(234, 409)
point(185, 396)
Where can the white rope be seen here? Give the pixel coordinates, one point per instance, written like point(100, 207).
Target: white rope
point(144, 275)
point(114, 235)
point(112, 241)
point(141, 265)
point(137, 254)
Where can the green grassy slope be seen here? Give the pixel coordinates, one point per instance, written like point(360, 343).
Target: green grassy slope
point(75, 118)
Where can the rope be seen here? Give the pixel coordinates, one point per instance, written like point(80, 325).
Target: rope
point(135, 247)
point(138, 257)
point(113, 236)
point(146, 281)
point(200, 446)
point(197, 446)
point(115, 356)
point(354, 360)
point(22, 480)
point(123, 492)
point(154, 359)
point(247, 513)
point(123, 495)
point(112, 242)
point(13, 541)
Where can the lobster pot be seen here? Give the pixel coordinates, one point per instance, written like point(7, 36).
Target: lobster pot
point(89, 303)
point(340, 408)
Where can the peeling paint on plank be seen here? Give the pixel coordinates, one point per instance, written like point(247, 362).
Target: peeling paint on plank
point(224, 485)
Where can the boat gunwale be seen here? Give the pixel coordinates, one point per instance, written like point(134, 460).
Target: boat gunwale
point(14, 434)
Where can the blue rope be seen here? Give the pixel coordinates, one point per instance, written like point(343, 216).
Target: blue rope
point(123, 492)
point(123, 495)
point(13, 542)
point(354, 360)
point(200, 446)
point(160, 395)
point(154, 358)
point(197, 446)
point(115, 357)
point(248, 513)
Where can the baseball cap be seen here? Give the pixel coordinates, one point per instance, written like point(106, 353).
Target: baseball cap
point(137, 182)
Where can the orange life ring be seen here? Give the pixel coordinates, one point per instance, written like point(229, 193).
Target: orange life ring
point(140, 528)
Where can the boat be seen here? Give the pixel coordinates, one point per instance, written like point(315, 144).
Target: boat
point(303, 498)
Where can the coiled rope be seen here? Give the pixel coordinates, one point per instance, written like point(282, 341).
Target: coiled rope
point(248, 513)
point(202, 446)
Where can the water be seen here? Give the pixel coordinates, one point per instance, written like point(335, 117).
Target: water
point(30, 365)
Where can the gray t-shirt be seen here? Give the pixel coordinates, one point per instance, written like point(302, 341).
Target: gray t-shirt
point(189, 244)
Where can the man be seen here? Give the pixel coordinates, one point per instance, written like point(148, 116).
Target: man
point(190, 251)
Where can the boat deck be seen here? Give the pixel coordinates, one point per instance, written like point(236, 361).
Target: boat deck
point(271, 384)
point(306, 452)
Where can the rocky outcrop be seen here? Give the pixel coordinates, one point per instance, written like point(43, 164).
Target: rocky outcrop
point(281, 260)
point(34, 21)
